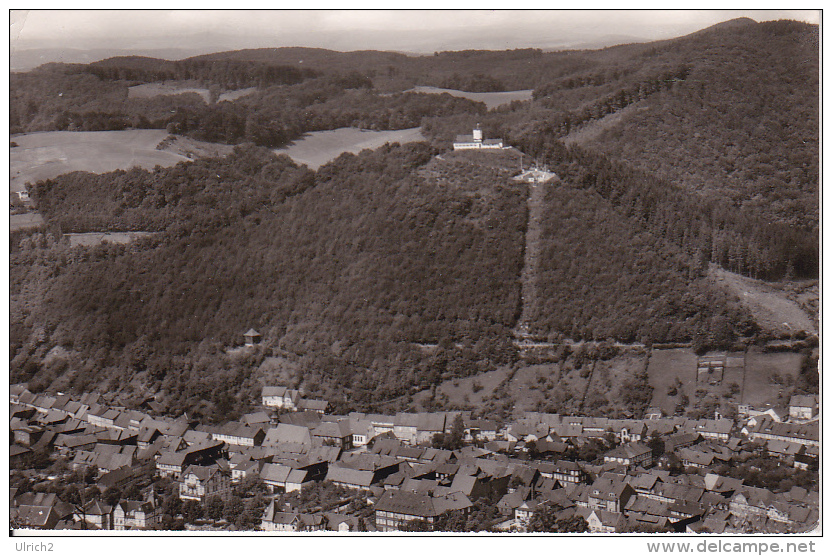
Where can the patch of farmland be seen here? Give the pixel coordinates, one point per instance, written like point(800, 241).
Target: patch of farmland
point(317, 148)
point(167, 88)
point(491, 100)
point(771, 307)
point(531, 388)
point(24, 221)
point(666, 365)
point(765, 377)
point(469, 392)
point(605, 392)
point(47, 155)
point(769, 374)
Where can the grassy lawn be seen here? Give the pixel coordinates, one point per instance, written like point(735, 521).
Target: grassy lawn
point(25, 220)
point(759, 384)
point(608, 382)
point(458, 390)
point(491, 100)
point(319, 147)
point(761, 370)
point(42, 156)
point(150, 90)
point(550, 387)
point(665, 367)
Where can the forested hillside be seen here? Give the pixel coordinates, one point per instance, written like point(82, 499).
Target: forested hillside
point(365, 255)
point(717, 148)
point(66, 98)
point(604, 275)
point(385, 272)
point(743, 124)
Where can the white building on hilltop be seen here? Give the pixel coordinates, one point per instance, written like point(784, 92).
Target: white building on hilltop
point(475, 141)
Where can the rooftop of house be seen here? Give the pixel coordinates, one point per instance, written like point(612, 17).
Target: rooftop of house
point(803, 401)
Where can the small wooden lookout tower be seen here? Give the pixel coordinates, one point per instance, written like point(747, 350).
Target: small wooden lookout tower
point(252, 337)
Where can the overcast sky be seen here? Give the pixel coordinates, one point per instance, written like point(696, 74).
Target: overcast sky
point(415, 31)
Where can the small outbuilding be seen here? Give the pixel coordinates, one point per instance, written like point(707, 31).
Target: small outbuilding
point(252, 337)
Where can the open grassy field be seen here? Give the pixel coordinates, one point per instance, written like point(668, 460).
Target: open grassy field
point(460, 392)
point(41, 156)
point(150, 90)
point(771, 307)
point(25, 220)
point(317, 148)
point(665, 367)
point(768, 374)
point(551, 387)
point(491, 100)
point(604, 393)
point(759, 377)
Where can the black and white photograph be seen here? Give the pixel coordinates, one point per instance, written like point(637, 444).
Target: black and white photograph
point(432, 273)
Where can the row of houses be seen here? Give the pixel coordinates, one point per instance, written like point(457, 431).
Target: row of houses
point(389, 461)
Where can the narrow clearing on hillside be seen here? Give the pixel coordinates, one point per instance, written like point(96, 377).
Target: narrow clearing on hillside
point(771, 307)
point(531, 257)
point(594, 128)
point(491, 100)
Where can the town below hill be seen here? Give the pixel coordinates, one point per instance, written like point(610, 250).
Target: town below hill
point(80, 463)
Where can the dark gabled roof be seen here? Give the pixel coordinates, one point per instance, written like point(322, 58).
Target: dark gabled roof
point(410, 452)
point(274, 516)
point(202, 472)
point(27, 398)
point(34, 516)
point(130, 506)
point(803, 401)
point(408, 503)
point(721, 426)
point(313, 404)
point(308, 419)
point(16, 450)
point(350, 476)
point(328, 429)
point(366, 461)
point(269, 391)
point(629, 451)
point(407, 420)
point(609, 487)
point(291, 434)
point(96, 507)
point(275, 472)
point(464, 484)
point(172, 458)
point(116, 476)
point(431, 422)
point(695, 456)
point(808, 431)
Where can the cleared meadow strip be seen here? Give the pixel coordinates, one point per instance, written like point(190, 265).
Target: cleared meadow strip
point(317, 148)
